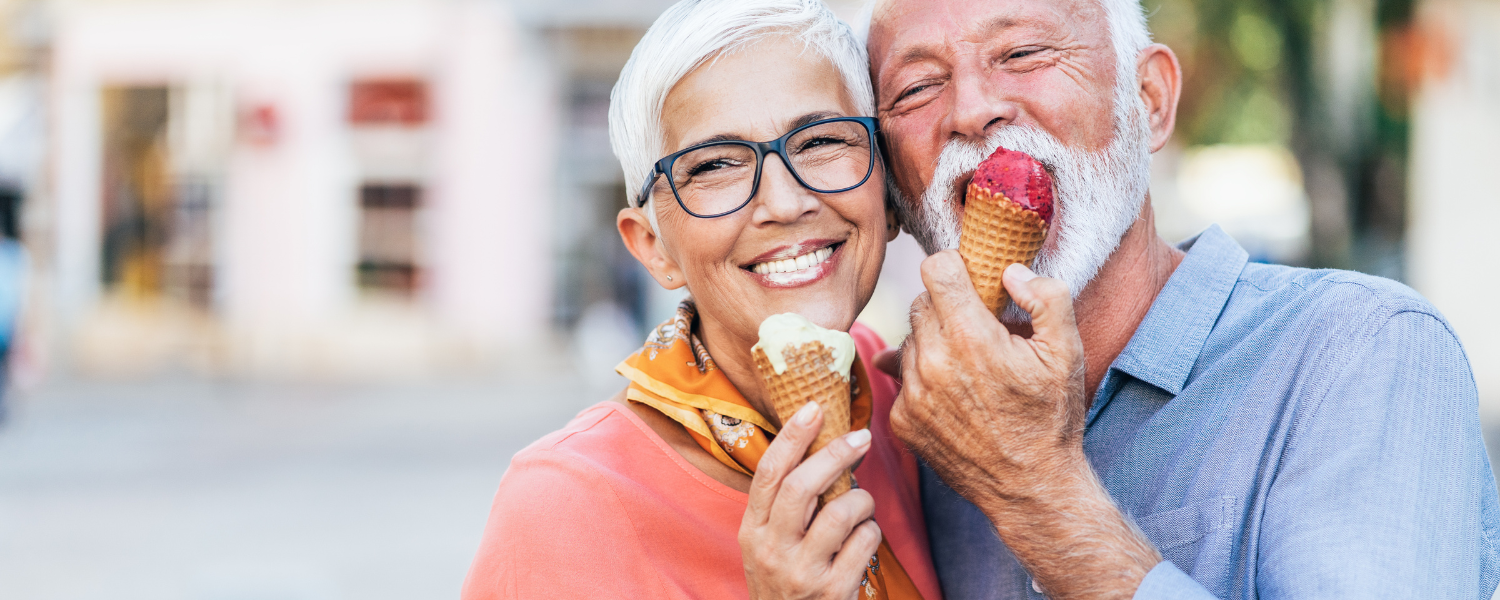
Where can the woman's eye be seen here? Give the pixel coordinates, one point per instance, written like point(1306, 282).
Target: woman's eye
point(1023, 53)
point(712, 165)
point(821, 142)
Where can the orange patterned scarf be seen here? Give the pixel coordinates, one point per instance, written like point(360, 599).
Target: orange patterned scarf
point(674, 374)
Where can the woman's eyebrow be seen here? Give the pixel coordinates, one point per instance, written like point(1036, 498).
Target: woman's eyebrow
point(793, 124)
point(810, 118)
point(722, 137)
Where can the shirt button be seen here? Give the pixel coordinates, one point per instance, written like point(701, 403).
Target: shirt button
point(1035, 588)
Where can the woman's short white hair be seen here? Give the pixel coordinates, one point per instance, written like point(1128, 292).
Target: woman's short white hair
point(694, 32)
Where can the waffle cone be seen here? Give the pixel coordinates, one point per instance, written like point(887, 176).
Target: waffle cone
point(808, 378)
point(997, 232)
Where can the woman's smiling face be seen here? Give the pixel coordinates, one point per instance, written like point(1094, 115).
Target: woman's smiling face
point(790, 249)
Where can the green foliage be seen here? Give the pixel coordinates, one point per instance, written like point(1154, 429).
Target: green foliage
point(1256, 41)
point(1234, 67)
point(1255, 71)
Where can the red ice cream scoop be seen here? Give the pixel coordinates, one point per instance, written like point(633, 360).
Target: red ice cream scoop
point(1019, 177)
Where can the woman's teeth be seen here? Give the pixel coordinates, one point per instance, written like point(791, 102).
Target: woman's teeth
point(792, 265)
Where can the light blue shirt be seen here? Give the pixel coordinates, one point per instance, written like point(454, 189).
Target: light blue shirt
point(1276, 433)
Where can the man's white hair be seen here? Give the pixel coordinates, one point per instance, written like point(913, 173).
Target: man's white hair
point(1127, 29)
point(693, 33)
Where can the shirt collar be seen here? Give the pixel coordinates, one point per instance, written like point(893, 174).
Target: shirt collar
point(1168, 341)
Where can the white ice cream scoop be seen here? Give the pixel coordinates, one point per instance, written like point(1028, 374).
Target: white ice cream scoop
point(790, 331)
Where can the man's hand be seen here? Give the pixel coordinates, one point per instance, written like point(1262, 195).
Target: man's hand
point(789, 553)
point(981, 405)
point(1000, 418)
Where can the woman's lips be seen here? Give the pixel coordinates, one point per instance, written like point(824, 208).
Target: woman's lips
point(798, 270)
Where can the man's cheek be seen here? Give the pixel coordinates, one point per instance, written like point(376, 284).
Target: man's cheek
point(912, 171)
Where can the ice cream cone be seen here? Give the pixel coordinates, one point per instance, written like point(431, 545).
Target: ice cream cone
point(997, 233)
point(809, 378)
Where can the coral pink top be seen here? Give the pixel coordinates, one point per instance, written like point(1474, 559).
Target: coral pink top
point(604, 508)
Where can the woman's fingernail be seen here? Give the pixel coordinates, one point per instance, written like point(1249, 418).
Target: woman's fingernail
point(858, 439)
point(805, 414)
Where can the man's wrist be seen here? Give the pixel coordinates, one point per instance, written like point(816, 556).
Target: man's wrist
point(1040, 488)
point(1070, 509)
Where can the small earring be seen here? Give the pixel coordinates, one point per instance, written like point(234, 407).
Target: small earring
point(669, 278)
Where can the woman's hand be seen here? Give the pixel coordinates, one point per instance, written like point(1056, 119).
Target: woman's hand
point(785, 555)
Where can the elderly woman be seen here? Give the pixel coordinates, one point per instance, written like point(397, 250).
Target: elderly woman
point(744, 125)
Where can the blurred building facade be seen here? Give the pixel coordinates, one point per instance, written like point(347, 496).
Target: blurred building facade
point(358, 188)
point(296, 189)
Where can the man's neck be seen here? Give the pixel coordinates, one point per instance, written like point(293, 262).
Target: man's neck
point(1113, 305)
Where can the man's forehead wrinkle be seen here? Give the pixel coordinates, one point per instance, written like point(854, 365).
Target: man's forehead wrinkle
point(935, 38)
point(995, 25)
point(891, 29)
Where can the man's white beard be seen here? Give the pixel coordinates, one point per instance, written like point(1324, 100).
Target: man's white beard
point(1097, 195)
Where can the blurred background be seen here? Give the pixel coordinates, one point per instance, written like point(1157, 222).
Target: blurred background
point(284, 283)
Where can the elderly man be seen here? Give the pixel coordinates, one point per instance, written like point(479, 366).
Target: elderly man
point(1154, 421)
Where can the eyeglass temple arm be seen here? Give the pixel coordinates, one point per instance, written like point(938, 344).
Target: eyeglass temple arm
point(645, 193)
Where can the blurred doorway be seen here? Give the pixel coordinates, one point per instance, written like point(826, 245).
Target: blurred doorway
point(158, 226)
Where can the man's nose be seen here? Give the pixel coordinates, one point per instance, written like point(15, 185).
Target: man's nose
point(977, 107)
point(780, 198)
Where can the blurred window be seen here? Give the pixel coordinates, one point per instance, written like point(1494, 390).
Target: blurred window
point(396, 101)
point(387, 237)
point(161, 156)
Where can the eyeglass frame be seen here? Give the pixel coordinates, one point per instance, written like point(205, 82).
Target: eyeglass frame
point(777, 147)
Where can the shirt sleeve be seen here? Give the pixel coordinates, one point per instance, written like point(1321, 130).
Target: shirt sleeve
point(556, 530)
point(1383, 489)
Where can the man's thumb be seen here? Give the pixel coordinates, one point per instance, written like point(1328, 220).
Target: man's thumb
point(1047, 300)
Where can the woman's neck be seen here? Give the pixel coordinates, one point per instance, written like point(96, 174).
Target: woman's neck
point(732, 355)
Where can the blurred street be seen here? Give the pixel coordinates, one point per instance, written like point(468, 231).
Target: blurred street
point(224, 491)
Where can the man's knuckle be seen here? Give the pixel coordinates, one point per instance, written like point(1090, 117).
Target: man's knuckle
point(898, 412)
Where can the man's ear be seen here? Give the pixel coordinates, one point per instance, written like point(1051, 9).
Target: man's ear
point(1161, 86)
point(645, 246)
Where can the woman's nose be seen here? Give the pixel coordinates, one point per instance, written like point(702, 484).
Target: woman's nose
point(780, 198)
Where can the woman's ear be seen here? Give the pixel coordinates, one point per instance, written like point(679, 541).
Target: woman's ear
point(645, 246)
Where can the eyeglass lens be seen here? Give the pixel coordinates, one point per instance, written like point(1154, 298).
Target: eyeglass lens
point(719, 178)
